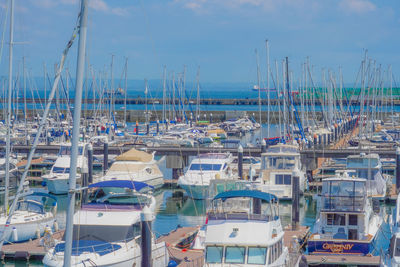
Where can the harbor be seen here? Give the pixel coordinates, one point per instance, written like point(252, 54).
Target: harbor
point(167, 133)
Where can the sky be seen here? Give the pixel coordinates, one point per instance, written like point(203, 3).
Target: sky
point(218, 36)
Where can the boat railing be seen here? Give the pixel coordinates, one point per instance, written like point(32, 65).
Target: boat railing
point(343, 203)
point(238, 216)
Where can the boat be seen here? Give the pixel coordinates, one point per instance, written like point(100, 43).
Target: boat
point(135, 165)
point(202, 169)
point(279, 164)
point(107, 230)
point(240, 231)
point(369, 167)
point(392, 257)
point(57, 180)
point(348, 222)
point(31, 218)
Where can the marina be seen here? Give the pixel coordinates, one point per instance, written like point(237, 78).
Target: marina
point(298, 167)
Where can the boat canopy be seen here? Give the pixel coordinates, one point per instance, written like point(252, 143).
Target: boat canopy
point(135, 155)
point(122, 184)
point(246, 193)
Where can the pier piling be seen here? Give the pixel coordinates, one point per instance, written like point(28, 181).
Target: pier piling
point(295, 199)
point(158, 127)
point(146, 217)
point(105, 159)
point(90, 163)
point(240, 162)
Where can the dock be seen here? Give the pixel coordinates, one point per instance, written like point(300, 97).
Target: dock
point(316, 260)
point(27, 250)
point(185, 257)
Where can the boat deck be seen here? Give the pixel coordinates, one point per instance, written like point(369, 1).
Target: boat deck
point(316, 260)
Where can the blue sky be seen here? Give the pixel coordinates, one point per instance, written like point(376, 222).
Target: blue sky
point(220, 36)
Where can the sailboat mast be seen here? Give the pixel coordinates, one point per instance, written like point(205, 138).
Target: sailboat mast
point(164, 93)
point(25, 107)
point(75, 133)
point(8, 140)
point(198, 95)
point(268, 89)
point(259, 92)
point(126, 88)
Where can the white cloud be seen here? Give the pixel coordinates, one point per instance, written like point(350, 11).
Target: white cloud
point(97, 5)
point(357, 6)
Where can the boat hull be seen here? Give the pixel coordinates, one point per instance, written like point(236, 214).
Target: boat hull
point(343, 247)
point(57, 186)
point(27, 231)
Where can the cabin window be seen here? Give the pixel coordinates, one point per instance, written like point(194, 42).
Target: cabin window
point(353, 220)
point(214, 254)
point(353, 234)
point(58, 170)
point(234, 254)
point(257, 256)
point(205, 167)
point(336, 219)
point(283, 179)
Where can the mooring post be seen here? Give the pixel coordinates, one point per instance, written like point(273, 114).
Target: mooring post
point(398, 169)
point(315, 140)
point(240, 162)
point(137, 128)
point(48, 138)
point(105, 159)
point(146, 219)
point(158, 127)
point(147, 128)
point(336, 132)
point(90, 163)
point(263, 146)
point(295, 199)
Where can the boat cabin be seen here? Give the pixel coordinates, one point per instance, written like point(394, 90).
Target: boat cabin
point(243, 228)
point(343, 206)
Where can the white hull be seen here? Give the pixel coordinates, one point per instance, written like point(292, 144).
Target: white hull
point(27, 231)
point(128, 255)
point(58, 185)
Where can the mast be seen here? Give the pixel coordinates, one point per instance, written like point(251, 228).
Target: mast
point(198, 95)
point(259, 92)
point(126, 88)
point(25, 107)
point(8, 140)
point(111, 96)
point(164, 93)
point(75, 133)
point(268, 92)
point(145, 95)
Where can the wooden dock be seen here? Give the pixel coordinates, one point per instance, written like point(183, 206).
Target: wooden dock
point(316, 260)
point(184, 257)
point(27, 250)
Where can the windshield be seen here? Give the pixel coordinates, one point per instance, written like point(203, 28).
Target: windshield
point(205, 167)
point(105, 233)
point(284, 162)
point(60, 170)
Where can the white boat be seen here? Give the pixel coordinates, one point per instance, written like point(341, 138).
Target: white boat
point(279, 164)
point(240, 231)
point(57, 180)
point(392, 257)
point(30, 219)
point(135, 165)
point(348, 223)
point(369, 167)
point(107, 231)
point(201, 170)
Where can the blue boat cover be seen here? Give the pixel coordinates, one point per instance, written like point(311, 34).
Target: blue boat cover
point(122, 184)
point(246, 193)
point(92, 246)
